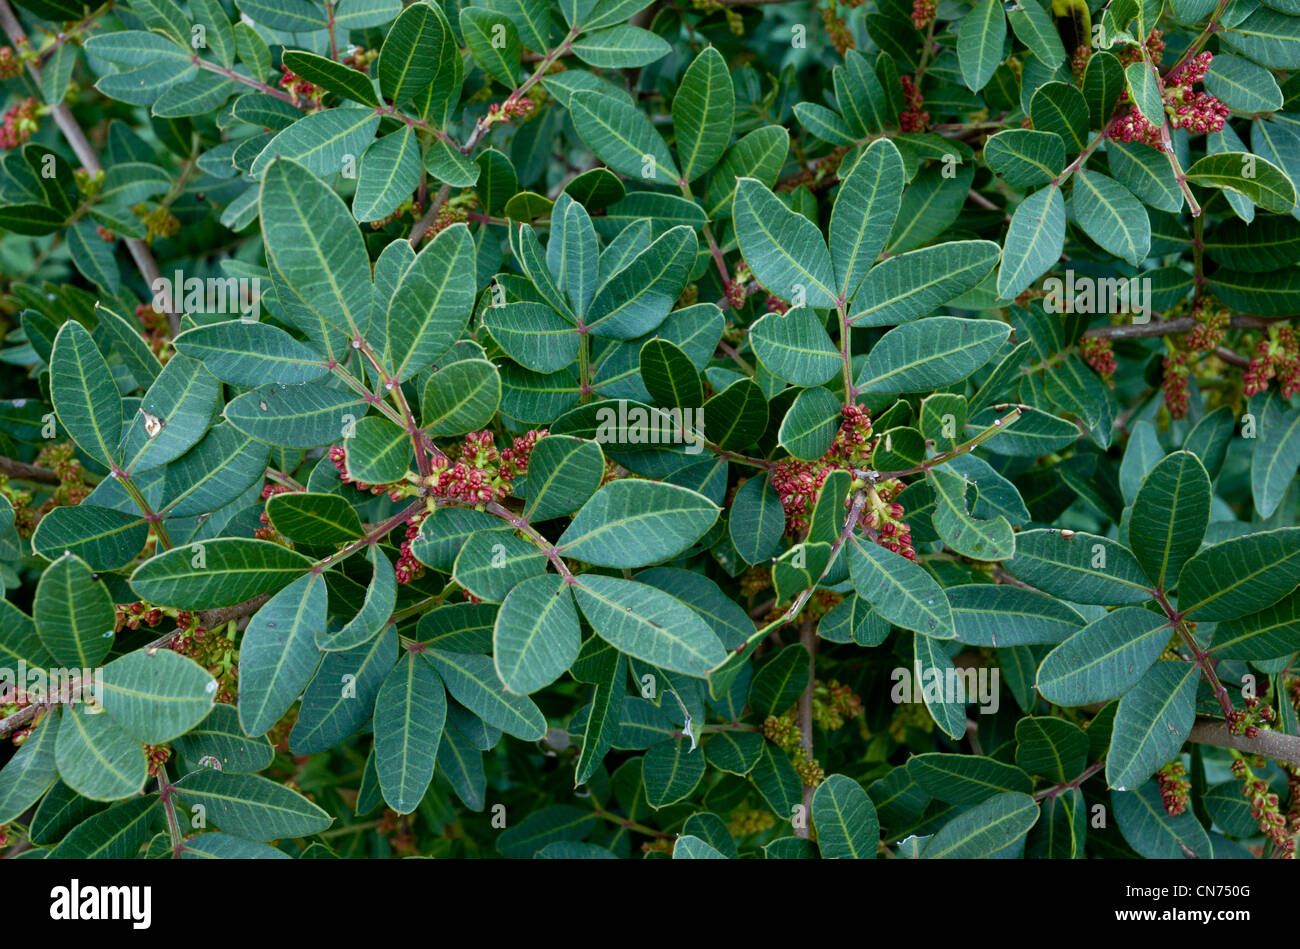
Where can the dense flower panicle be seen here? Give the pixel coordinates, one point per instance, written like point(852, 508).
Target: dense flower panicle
point(923, 13)
point(1197, 112)
point(1211, 326)
point(1175, 787)
point(210, 649)
point(1079, 60)
point(797, 483)
point(1276, 355)
point(408, 568)
point(913, 117)
point(1099, 354)
point(839, 32)
point(1174, 384)
point(20, 122)
point(11, 66)
point(776, 305)
point(1265, 809)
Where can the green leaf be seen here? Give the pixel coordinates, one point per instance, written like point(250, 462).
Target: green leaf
point(410, 712)
point(1147, 827)
point(1059, 107)
point(1024, 157)
point(914, 284)
point(1147, 173)
point(387, 172)
point(493, 41)
point(930, 353)
point(1079, 567)
point(1144, 91)
point(1260, 181)
point(988, 614)
point(846, 821)
point(620, 47)
point(899, 590)
point(563, 473)
point(405, 66)
point(219, 736)
point(1242, 85)
point(622, 137)
point(340, 698)
point(672, 770)
point(74, 614)
point(795, 347)
point(690, 847)
point(669, 375)
point(97, 758)
point(1277, 451)
point(1271, 633)
point(1105, 658)
point(1034, 241)
point(1153, 720)
point(703, 110)
point(173, 415)
point(84, 394)
point(637, 298)
point(306, 517)
point(648, 624)
point(322, 143)
point(157, 695)
point(430, 306)
point(301, 416)
point(756, 520)
point(1111, 216)
point(1240, 576)
point(1051, 748)
point(114, 834)
point(979, 43)
point(1170, 515)
point(378, 452)
point(215, 573)
point(781, 681)
point(994, 828)
point(977, 538)
point(461, 397)
point(864, 215)
point(492, 562)
point(634, 523)
point(245, 353)
point(26, 776)
point(737, 416)
point(250, 806)
point(1033, 27)
point(784, 249)
point(536, 637)
point(965, 779)
point(105, 539)
point(278, 653)
point(332, 76)
point(319, 266)
point(809, 427)
point(473, 682)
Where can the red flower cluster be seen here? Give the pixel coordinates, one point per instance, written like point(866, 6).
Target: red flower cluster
point(11, 66)
point(1211, 324)
point(913, 118)
point(923, 13)
point(839, 32)
point(408, 568)
point(339, 456)
point(1174, 787)
point(797, 483)
point(776, 305)
point(1099, 354)
point(1273, 824)
point(510, 109)
point(20, 122)
point(1198, 112)
point(885, 516)
point(479, 472)
point(1277, 355)
point(295, 84)
point(1247, 721)
point(1174, 384)
point(131, 615)
point(266, 531)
